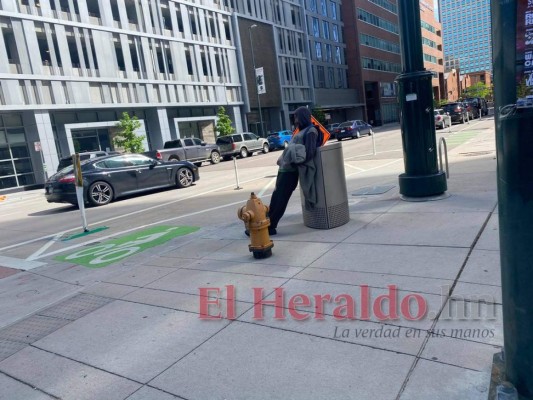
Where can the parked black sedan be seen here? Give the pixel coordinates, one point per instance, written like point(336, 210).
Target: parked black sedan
point(107, 178)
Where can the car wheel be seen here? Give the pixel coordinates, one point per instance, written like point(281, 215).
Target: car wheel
point(285, 144)
point(265, 148)
point(184, 178)
point(173, 158)
point(100, 193)
point(244, 152)
point(370, 132)
point(357, 135)
point(215, 157)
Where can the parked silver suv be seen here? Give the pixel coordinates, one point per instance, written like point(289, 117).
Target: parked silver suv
point(241, 144)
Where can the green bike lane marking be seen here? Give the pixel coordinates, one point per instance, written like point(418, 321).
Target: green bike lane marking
point(111, 251)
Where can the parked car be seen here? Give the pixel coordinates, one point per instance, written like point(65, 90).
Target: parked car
point(442, 120)
point(457, 112)
point(110, 177)
point(279, 140)
point(188, 149)
point(331, 129)
point(241, 144)
point(67, 161)
point(480, 103)
point(353, 129)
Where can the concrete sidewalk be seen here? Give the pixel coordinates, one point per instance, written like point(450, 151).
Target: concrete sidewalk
point(133, 330)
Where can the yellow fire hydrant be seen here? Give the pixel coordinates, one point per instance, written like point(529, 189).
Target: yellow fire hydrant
point(254, 215)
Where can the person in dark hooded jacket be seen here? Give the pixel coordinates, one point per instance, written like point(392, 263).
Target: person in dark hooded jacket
point(287, 178)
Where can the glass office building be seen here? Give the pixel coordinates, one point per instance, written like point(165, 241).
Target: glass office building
point(466, 30)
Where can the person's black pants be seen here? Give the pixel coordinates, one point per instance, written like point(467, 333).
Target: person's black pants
point(286, 182)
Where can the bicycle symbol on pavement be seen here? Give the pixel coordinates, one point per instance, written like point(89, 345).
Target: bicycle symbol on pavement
point(102, 255)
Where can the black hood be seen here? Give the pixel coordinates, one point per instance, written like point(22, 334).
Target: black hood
point(303, 115)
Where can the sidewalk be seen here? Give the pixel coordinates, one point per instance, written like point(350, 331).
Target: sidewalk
point(136, 333)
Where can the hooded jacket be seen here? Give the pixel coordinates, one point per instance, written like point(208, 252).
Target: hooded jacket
point(300, 155)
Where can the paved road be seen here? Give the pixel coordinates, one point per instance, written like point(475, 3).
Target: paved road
point(31, 229)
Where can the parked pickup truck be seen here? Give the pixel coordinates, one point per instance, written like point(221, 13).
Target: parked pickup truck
point(188, 149)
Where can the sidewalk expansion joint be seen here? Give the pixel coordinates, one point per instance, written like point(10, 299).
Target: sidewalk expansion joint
point(456, 280)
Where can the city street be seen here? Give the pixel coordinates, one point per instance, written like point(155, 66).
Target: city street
point(32, 228)
point(117, 314)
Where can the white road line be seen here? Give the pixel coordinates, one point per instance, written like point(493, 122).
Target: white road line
point(371, 154)
point(17, 263)
point(262, 192)
point(372, 169)
point(35, 255)
point(123, 215)
point(163, 221)
point(354, 167)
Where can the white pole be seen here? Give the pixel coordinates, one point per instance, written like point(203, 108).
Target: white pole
point(236, 173)
point(373, 143)
point(79, 189)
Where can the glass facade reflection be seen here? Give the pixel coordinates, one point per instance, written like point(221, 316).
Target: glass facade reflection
point(15, 163)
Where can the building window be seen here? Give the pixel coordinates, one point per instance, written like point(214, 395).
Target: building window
point(316, 27)
point(379, 65)
point(324, 7)
point(333, 8)
point(321, 77)
point(312, 5)
point(338, 59)
point(329, 56)
point(325, 29)
point(387, 5)
point(336, 33)
point(377, 43)
point(318, 51)
point(377, 21)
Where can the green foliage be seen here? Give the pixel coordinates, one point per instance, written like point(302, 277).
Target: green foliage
point(478, 89)
point(127, 139)
point(522, 90)
point(440, 103)
point(319, 115)
point(223, 126)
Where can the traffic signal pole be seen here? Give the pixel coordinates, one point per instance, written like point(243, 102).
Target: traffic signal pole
point(422, 177)
point(512, 28)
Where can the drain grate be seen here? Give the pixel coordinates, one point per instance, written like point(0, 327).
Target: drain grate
point(8, 348)
point(31, 329)
point(75, 307)
point(373, 190)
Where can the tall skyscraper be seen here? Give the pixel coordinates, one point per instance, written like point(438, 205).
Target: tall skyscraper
point(466, 30)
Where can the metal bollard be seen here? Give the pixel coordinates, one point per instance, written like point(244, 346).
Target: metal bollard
point(236, 173)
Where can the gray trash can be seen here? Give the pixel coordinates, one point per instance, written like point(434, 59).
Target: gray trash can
point(332, 209)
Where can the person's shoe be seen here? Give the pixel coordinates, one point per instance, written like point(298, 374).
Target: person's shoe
point(247, 232)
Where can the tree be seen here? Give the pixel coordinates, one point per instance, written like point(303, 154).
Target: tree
point(127, 139)
point(223, 126)
point(319, 115)
point(478, 89)
point(522, 90)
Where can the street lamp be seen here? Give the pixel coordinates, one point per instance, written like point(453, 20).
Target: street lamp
point(255, 79)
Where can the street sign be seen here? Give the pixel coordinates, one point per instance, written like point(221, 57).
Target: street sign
point(37, 146)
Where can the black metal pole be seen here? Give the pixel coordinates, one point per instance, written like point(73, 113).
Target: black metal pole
point(514, 144)
point(422, 176)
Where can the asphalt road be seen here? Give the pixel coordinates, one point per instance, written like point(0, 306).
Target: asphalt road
point(32, 229)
